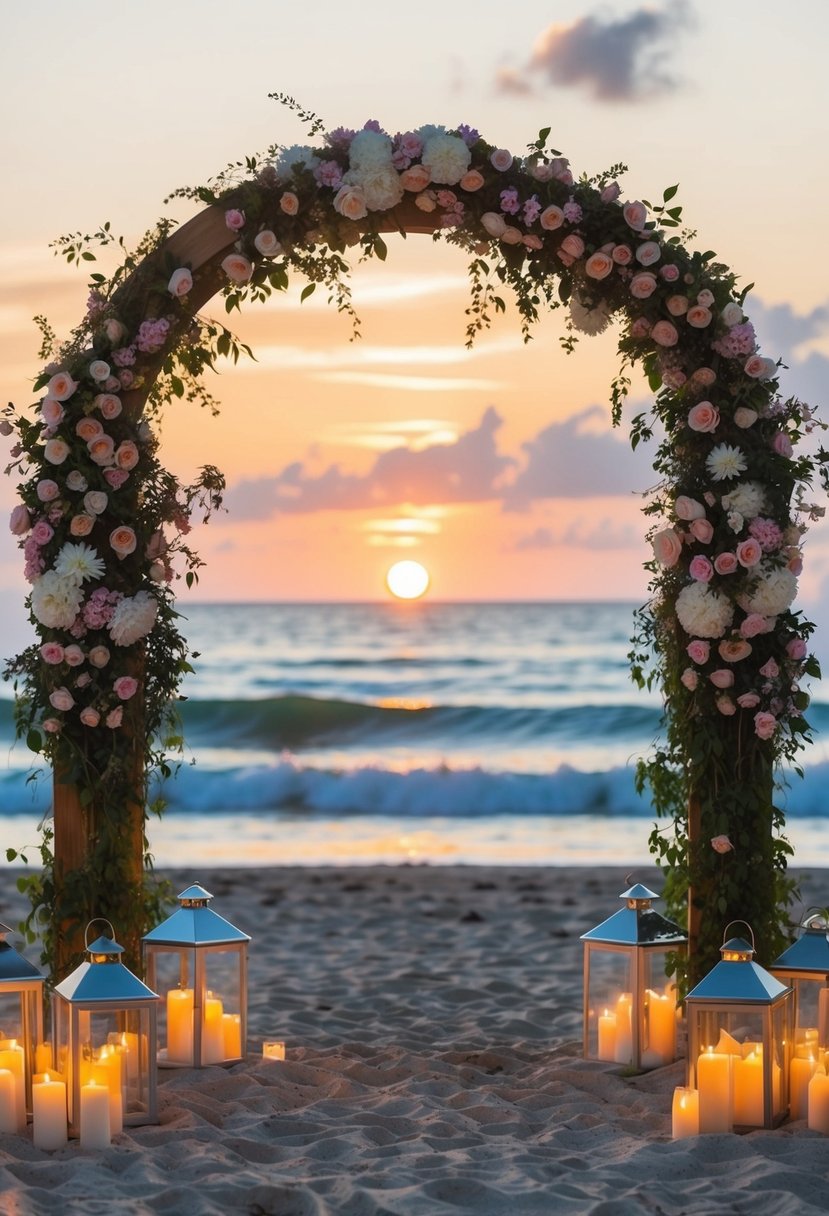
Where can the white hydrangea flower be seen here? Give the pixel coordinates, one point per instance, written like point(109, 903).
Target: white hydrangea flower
point(381, 186)
point(725, 462)
point(79, 563)
point(748, 498)
point(702, 612)
point(295, 155)
point(133, 618)
point(56, 601)
point(370, 150)
point(593, 320)
point(448, 157)
point(774, 593)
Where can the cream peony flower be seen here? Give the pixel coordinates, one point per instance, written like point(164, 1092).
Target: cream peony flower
point(381, 186)
point(748, 498)
point(773, 592)
point(589, 320)
point(56, 601)
point(370, 150)
point(725, 462)
point(448, 158)
point(702, 612)
point(133, 618)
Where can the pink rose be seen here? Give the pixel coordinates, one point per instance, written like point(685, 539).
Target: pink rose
point(61, 699)
point(672, 377)
point(73, 655)
point(640, 328)
point(493, 223)
point(704, 417)
point(501, 160)
point(705, 298)
point(51, 653)
point(511, 236)
point(610, 192)
point(42, 532)
point(115, 717)
point(782, 444)
point(571, 247)
point(698, 317)
point(622, 255)
point(551, 217)
point(698, 650)
point(748, 700)
point(770, 670)
point(754, 625)
point(61, 386)
point(235, 221)
point(677, 306)
point(81, 524)
point(20, 520)
point(704, 376)
point(734, 650)
point(125, 687)
point(599, 265)
point(123, 541)
point(95, 502)
point(416, 178)
point(725, 563)
point(471, 181)
point(665, 334)
point(764, 725)
point(52, 726)
point(796, 649)
point(749, 552)
point(669, 273)
point(289, 203)
point(532, 241)
point(721, 844)
point(47, 490)
point(648, 253)
point(127, 454)
point(181, 281)
point(541, 171)
point(99, 656)
point(636, 215)
point(51, 411)
point(89, 428)
point(643, 285)
point(56, 451)
point(667, 547)
point(109, 405)
point(744, 417)
point(759, 368)
point(688, 508)
point(237, 267)
point(701, 569)
point(689, 678)
point(701, 530)
point(267, 244)
point(726, 706)
point(90, 716)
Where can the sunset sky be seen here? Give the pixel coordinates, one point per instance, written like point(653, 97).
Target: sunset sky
point(497, 468)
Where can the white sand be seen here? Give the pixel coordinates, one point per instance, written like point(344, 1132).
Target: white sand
point(433, 1023)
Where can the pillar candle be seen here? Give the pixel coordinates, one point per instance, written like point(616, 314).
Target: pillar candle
point(107, 1071)
point(232, 1035)
point(8, 1101)
point(714, 1087)
point(748, 1105)
point(685, 1113)
point(43, 1058)
point(49, 1129)
point(661, 1028)
point(624, 1029)
point(12, 1058)
point(94, 1116)
point(818, 1116)
point(607, 1035)
point(212, 1037)
point(180, 1025)
point(801, 1071)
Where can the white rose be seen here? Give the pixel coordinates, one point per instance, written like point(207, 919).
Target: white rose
point(732, 314)
point(181, 282)
point(493, 223)
point(267, 244)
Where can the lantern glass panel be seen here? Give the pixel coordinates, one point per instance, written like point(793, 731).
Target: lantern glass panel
point(609, 1029)
point(108, 1046)
point(658, 1034)
point(201, 1017)
point(754, 1046)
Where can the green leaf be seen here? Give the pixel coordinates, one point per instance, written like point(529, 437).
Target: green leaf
point(380, 248)
point(307, 291)
point(669, 193)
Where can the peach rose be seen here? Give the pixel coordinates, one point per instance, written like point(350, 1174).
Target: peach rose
point(109, 405)
point(599, 265)
point(665, 334)
point(622, 255)
point(636, 215)
point(744, 417)
point(749, 552)
point(51, 411)
point(723, 677)
point(721, 844)
point(667, 547)
point(267, 244)
point(572, 247)
point(416, 178)
point(181, 283)
point(501, 160)
point(704, 417)
point(698, 316)
point(81, 524)
point(688, 508)
point(734, 650)
point(88, 428)
point(701, 530)
point(704, 376)
point(350, 202)
point(472, 180)
point(677, 306)
point(289, 203)
point(101, 449)
point(90, 716)
point(643, 285)
point(127, 454)
point(532, 241)
point(56, 451)
point(427, 201)
point(123, 541)
point(689, 678)
point(61, 386)
point(726, 706)
point(725, 563)
point(511, 236)
point(551, 217)
point(98, 656)
point(237, 267)
point(493, 223)
point(759, 368)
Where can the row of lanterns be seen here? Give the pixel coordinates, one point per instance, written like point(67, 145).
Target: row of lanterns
point(757, 1039)
point(99, 1071)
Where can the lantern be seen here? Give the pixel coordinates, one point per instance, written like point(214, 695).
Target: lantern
point(104, 1028)
point(198, 961)
point(629, 998)
point(805, 967)
point(740, 1025)
point(21, 1031)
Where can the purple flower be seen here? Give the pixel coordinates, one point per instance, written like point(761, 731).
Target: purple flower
point(329, 173)
point(739, 341)
point(341, 137)
point(509, 201)
point(572, 211)
point(532, 210)
point(152, 335)
point(468, 134)
point(373, 125)
point(124, 356)
point(409, 144)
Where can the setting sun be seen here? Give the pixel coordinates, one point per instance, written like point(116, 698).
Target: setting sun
point(407, 580)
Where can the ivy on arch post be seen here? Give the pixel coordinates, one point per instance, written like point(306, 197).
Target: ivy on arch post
point(103, 526)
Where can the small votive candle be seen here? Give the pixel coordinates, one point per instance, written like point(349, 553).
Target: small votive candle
point(273, 1049)
point(685, 1113)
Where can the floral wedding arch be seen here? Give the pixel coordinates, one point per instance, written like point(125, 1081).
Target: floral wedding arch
point(103, 525)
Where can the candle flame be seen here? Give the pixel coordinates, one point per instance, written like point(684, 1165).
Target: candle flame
point(682, 1102)
point(46, 1078)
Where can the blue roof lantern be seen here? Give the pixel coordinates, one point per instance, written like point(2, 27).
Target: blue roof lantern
point(195, 924)
point(811, 950)
point(13, 966)
point(104, 978)
point(637, 924)
point(736, 977)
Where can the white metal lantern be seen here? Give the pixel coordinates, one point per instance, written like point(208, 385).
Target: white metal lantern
point(740, 1026)
point(104, 1027)
point(21, 1031)
point(198, 961)
point(629, 998)
point(805, 967)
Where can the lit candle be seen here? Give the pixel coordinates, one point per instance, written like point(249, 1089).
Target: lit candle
point(12, 1058)
point(818, 1106)
point(624, 1029)
point(232, 1035)
point(661, 1012)
point(714, 1087)
point(180, 1025)
point(95, 1116)
point(748, 1104)
point(273, 1049)
point(802, 1070)
point(8, 1101)
point(212, 1037)
point(43, 1058)
point(685, 1113)
point(49, 1114)
point(607, 1035)
point(823, 1016)
point(107, 1071)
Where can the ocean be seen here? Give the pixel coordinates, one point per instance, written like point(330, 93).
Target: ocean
point(411, 732)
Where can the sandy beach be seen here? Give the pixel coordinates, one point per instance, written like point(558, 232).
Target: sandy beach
point(432, 1018)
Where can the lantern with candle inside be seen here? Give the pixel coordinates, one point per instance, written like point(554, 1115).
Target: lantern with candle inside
point(629, 997)
point(198, 961)
point(740, 1027)
point(21, 1021)
point(804, 966)
point(104, 1027)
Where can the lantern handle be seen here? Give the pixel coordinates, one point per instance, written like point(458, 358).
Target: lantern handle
point(97, 920)
point(820, 909)
point(738, 922)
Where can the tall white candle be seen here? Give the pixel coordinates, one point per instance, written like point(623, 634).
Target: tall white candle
point(13, 1058)
point(624, 1029)
point(607, 1035)
point(95, 1116)
point(748, 1104)
point(212, 1037)
point(107, 1071)
point(232, 1035)
point(661, 1027)
point(685, 1113)
point(49, 1130)
point(8, 1101)
point(714, 1086)
point(818, 1117)
point(180, 1025)
point(801, 1071)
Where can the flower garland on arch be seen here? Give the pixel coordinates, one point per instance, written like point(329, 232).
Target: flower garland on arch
point(100, 522)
